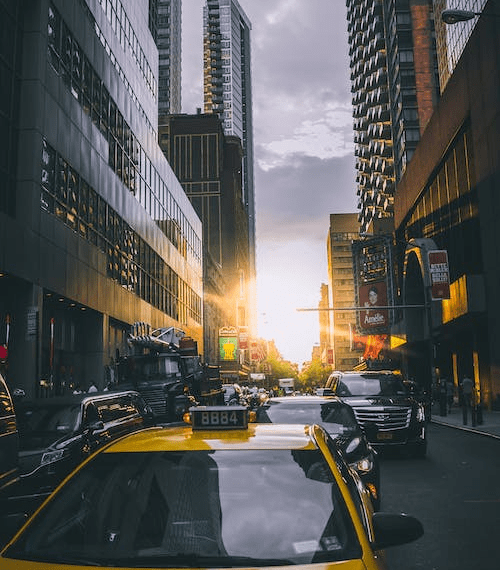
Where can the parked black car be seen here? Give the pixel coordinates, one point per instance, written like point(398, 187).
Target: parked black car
point(9, 438)
point(56, 434)
point(338, 419)
point(386, 410)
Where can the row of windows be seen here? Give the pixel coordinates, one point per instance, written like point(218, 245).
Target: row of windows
point(344, 236)
point(126, 156)
point(120, 23)
point(196, 157)
point(114, 61)
point(130, 261)
point(448, 209)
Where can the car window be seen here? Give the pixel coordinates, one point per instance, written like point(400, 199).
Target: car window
point(62, 418)
point(383, 385)
point(113, 409)
point(198, 508)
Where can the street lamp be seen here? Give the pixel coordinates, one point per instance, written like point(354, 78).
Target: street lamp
point(454, 16)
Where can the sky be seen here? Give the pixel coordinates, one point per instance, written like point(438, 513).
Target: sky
point(303, 147)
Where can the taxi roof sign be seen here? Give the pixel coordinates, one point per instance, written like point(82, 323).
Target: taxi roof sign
point(219, 417)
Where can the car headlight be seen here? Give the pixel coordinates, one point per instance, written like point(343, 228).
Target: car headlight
point(363, 465)
point(51, 456)
point(420, 413)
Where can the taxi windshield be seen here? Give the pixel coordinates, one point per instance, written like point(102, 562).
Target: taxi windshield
point(221, 508)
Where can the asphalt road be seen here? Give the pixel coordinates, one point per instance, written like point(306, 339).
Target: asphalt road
point(455, 493)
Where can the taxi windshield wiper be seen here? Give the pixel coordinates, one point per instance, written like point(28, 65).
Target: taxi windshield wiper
point(187, 560)
point(53, 558)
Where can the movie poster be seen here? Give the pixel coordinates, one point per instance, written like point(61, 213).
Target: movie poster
point(375, 318)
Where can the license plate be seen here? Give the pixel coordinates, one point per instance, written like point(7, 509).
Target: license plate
point(384, 436)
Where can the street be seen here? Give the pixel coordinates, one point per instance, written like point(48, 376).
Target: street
point(455, 494)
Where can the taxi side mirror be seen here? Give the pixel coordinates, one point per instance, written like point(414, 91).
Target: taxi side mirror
point(395, 529)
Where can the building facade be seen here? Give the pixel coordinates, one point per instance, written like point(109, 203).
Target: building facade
point(449, 195)
point(96, 231)
point(165, 23)
point(324, 325)
point(208, 164)
point(344, 229)
point(228, 94)
point(395, 87)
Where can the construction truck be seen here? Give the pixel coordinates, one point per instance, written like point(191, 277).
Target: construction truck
point(164, 366)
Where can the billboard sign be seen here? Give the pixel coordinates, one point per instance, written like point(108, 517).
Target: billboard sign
point(439, 274)
point(228, 344)
point(373, 296)
point(373, 282)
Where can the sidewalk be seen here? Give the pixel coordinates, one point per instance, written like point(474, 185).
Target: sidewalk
point(490, 425)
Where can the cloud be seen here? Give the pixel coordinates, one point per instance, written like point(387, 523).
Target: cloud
point(296, 197)
point(303, 150)
point(324, 137)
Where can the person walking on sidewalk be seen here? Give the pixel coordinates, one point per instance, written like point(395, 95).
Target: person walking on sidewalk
point(450, 393)
point(467, 388)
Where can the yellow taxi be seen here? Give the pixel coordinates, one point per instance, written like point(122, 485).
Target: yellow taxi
point(220, 493)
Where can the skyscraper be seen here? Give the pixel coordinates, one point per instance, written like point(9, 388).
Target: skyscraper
point(395, 87)
point(228, 90)
point(96, 230)
point(165, 26)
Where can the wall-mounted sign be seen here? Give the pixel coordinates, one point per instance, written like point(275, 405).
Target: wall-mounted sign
point(440, 274)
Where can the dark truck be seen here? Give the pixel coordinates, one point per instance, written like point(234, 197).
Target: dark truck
point(164, 366)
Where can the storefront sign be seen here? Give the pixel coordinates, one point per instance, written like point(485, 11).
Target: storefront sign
point(439, 274)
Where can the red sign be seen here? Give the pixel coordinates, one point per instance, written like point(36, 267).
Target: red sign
point(329, 356)
point(439, 274)
point(373, 296)
point(243, 340)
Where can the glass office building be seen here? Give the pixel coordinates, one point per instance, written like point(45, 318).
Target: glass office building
point(96, 231)
point(165, 24)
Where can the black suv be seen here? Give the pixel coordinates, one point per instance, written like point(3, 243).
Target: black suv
point(384, 408)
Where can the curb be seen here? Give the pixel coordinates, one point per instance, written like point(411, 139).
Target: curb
point(465, 428)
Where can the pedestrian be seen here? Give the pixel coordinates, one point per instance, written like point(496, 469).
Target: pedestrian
point(450, 393)
point(443, 394)
point(92, 387)
point(467, 389)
